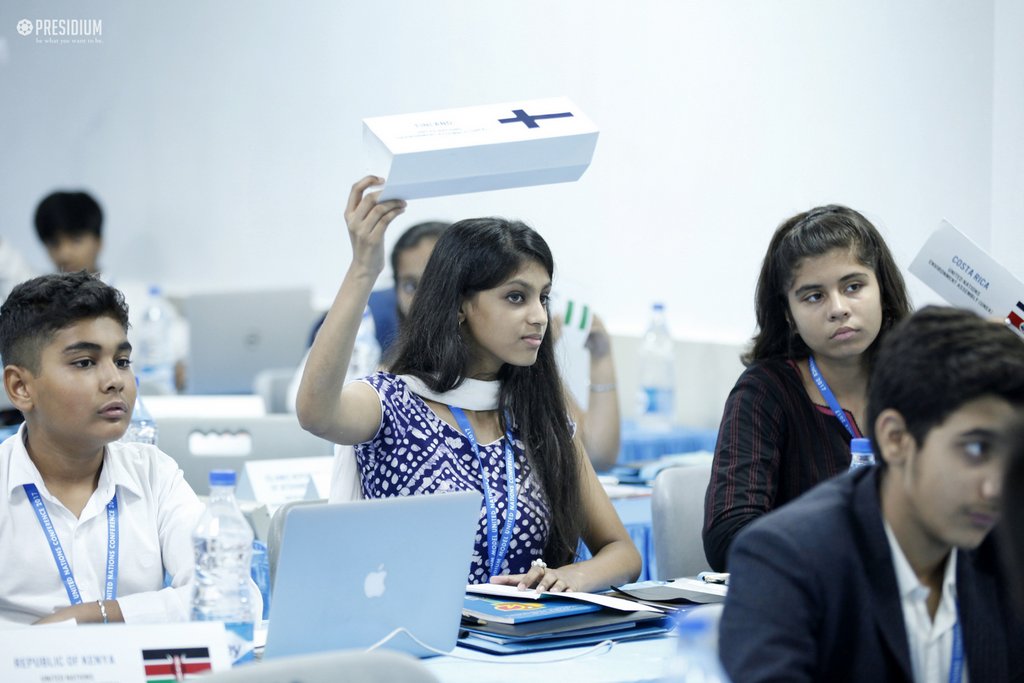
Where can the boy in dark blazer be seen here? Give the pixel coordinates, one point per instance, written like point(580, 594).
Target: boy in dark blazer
point(890, 573)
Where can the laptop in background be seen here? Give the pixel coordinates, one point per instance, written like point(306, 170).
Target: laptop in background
point(201, 444)
point(235, 335)
point(349, 574)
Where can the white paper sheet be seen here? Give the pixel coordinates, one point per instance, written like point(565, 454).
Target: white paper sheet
point(603, 600)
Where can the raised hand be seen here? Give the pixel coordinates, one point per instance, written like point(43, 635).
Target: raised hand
point(367, 220)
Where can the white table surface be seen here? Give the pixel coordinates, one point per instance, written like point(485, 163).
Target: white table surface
point(641, 660)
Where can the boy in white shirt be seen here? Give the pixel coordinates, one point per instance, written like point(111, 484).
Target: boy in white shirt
point(88, 526)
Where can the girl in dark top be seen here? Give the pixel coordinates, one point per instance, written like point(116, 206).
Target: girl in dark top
point(828, 291)
point(474, 401)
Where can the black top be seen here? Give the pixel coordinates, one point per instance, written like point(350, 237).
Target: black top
point(773, 445)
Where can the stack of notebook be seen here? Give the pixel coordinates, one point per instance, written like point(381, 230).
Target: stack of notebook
point(504, 620)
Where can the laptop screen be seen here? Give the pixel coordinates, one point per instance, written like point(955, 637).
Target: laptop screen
point(352, 574)
point(235, 335)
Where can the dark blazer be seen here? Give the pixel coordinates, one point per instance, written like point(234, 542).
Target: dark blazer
point(813, 596)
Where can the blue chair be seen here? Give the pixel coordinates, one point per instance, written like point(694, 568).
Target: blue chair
point(384, 309)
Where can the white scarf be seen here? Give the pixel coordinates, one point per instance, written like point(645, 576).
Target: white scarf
point(472, 394)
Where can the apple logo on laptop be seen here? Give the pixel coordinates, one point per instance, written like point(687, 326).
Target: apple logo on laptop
point(373, 584)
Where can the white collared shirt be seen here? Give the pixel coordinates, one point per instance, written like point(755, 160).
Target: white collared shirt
point(157, 513)
point(930, 641)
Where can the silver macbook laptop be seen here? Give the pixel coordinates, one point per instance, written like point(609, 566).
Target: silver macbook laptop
point(235, 335)
point(350, 574)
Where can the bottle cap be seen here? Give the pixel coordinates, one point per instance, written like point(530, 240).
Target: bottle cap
point(861, 446)
point(694, 623)
point(658, 306)
point(222, 477)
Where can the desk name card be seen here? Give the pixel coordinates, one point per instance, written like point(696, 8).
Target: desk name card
point(279, 481)
point(965, 275)
point(112, 653)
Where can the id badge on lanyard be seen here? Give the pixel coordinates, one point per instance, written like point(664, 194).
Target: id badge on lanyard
point(497, 548)
point(830, 398)
point(61, 560)
point(956, 663)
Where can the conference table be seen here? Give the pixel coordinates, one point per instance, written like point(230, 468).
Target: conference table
point(627, 661)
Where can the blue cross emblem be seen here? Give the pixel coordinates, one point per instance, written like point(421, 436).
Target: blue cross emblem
point(531, 121)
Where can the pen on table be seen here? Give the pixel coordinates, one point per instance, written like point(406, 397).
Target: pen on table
point(714, 577)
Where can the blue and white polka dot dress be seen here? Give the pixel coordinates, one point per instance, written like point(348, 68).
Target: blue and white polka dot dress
point(415, 452)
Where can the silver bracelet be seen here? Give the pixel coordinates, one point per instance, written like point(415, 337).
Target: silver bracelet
point(103, 611)
point(602, 388)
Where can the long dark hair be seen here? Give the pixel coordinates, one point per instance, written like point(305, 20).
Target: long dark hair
point(472, 256)
point(814, 233)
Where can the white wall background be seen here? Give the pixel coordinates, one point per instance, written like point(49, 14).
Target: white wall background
point(1008, 136)
point(222, 137)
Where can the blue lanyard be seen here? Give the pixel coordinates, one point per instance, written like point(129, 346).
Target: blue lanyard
point(110, 588)
point(956, 664)
point(829, 397)
point(498, 549)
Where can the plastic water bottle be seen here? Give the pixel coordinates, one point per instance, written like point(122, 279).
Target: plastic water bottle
point(260, 573)
point(861, 454)
point(366, 352)
point(696, 658)
point(223, 548)
point(142, 428)
point(656, 396)
point(153, 350)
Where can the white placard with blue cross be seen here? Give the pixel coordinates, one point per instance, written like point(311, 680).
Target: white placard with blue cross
point(473, 149)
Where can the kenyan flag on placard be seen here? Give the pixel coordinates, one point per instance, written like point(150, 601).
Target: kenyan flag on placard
point(175, 664)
